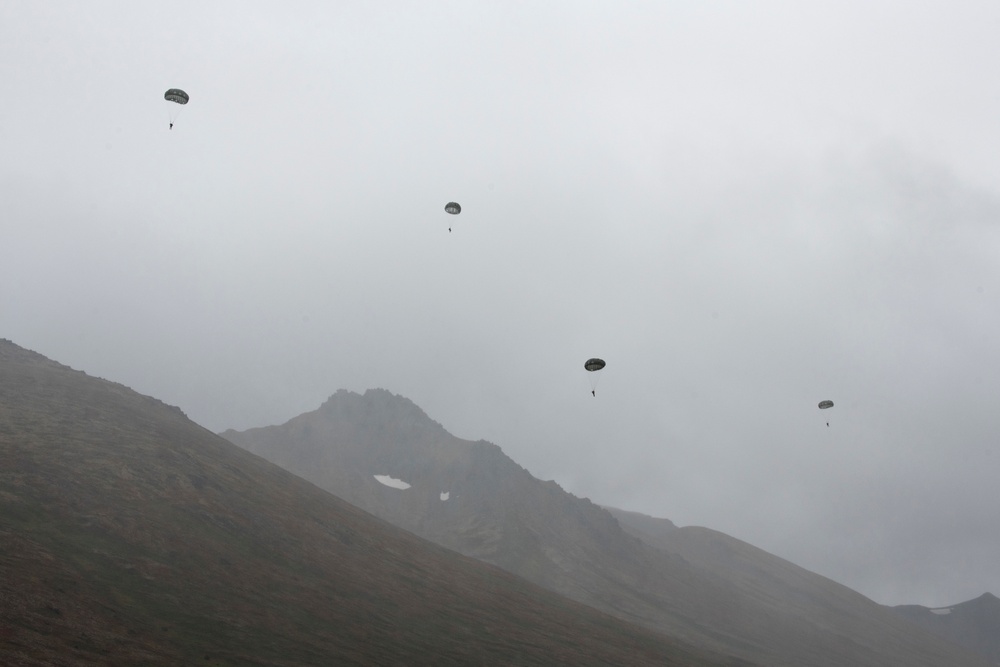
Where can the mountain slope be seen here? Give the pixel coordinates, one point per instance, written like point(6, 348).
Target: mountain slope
point(974, 624)
point(496, 511)
point(771, 580)
point(131, 536)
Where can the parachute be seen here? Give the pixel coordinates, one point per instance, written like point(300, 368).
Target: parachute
point(825, 405)
point(176, 96)
point(592, 365)
point(453, 208)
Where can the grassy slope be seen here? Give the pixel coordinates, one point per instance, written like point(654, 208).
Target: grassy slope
point(130, 535)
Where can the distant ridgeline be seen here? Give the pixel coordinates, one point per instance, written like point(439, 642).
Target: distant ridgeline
point(381, 452)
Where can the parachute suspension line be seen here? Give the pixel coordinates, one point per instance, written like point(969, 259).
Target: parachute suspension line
point(825, 405)
point(592, 366)
point(173, 114)
point(452, 208)
point(178, 97)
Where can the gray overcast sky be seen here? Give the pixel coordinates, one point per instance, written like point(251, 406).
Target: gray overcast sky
point(745, 208)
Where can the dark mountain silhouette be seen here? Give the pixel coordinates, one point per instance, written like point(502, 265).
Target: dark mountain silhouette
point(974, 624)
point(766, 610)
point(131, 536)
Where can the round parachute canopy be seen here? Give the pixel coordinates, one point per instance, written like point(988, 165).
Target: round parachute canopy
point(453, 208)
point(823, 405)
point(176, 95)
point(594, 364)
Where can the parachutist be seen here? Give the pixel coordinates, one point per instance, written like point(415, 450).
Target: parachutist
point(825, 405)
point(592, 365)
point(452, 208)
point(177, 96)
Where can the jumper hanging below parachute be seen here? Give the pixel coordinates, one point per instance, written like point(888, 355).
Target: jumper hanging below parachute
point(592, 366)
point(453, 208)
point(175, 96)
point(825, 405)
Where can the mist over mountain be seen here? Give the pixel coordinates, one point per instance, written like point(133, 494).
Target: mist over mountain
point(380, 452)
point(130, 535)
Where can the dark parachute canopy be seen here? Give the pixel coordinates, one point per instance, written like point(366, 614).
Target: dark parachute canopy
point(592, 365)
point(176, 95)
point(453, 208)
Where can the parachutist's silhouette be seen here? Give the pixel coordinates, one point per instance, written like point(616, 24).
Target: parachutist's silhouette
point(449, 229)
point(825, 405)
point(176, 96)
point(592, 365)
